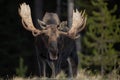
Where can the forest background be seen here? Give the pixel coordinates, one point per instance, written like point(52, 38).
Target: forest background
point(100, 40)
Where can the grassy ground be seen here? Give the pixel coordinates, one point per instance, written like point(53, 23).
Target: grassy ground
point(82, 75)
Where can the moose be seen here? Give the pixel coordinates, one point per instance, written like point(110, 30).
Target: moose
point(56, 48)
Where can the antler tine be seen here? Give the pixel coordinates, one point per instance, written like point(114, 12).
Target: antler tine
point(83, 13)
point(84, 24)
point(25, 13)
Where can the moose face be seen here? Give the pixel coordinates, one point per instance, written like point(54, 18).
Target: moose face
point(51, 40)
point(50, 25)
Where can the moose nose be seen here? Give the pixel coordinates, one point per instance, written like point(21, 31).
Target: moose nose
point(53, 51)
point(53, 54)
point(53, 45)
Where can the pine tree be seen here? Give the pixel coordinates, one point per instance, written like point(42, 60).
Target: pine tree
point(102, 33)
point(22, 69)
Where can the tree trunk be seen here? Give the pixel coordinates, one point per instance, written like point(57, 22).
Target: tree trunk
point(70, 15)
point(70, 12)
point(59, 7)
point(38, 11)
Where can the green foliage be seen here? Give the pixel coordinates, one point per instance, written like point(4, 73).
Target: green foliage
point(22, 69)
point(84, 4)
point(102, 33)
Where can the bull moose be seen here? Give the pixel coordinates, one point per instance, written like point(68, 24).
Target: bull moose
point(56, 49)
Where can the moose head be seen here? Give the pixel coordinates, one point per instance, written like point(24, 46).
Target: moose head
point(50, 27)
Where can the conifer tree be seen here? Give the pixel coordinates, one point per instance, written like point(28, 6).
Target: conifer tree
point(22, 69)
point(102, 33)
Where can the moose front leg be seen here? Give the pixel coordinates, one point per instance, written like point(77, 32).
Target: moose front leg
point(52, 66)
point(44, 68)
point(70, 68)
point(53, 69)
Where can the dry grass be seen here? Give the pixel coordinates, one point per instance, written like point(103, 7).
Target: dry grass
point(82, 75)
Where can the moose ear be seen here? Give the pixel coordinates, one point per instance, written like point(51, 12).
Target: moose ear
point(42, 24)
point(63, 26)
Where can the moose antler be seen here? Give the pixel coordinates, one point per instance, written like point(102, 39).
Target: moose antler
point(79, 22)
point(25, 13)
